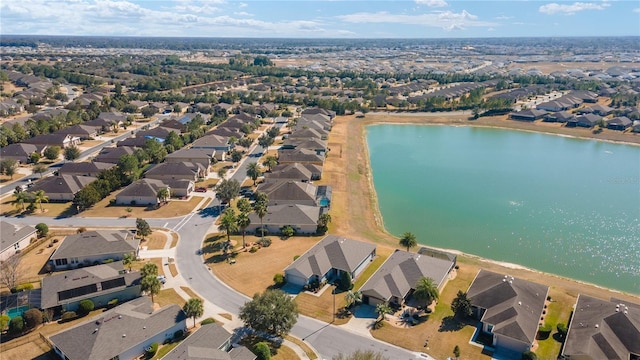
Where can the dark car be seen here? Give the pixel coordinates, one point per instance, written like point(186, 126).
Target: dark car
point(200, 189)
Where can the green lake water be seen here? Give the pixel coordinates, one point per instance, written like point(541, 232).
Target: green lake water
point(560, 205)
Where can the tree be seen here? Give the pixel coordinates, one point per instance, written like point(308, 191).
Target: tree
point(352, 298)
point(273, 132)
point(16, 325)
point(127, 259)
point(323, 223)
point(227, 190)
point(228, 223)
point(20, 199)
point(236, 156)
point(155, 150)
point(265, 141)
point(244, 205)
point(260, 208)
point(461, 305)
point(262, 351)
point(150, 284)
point(143, 228)
point(128, 163)
point(222, 172)
point(42, 230)
point(346, 282)
point(9, 167)
point(39, 197)
point(361, 355)
point(85, 307)
point(39, 169)
point(456, 351)
point(270, 161)
point(273, 312)
point(242, 222)
point(32, 318)
point(71, 153)
point(149, 111)
point(163, 194)
point(149, 269)
point(34, 157)
point(408, 240)
point(382, 310)
point(253, 171)
point(193, 308)
point(529, 355)
point(86, 198)
point(52, 152)
point(426, 291)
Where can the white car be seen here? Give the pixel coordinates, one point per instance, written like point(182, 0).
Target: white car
point(162, 278)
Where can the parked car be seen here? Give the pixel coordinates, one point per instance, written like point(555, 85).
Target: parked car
point(200, 189)
point(162, 279)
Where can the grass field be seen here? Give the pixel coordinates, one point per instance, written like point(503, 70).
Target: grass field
point(172, 209)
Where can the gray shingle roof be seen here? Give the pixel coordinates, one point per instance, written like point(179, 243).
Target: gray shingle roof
point(603, 329)
point(207, 343)
point(52, 285)
point(295, 171)
point(401, 272)
point(115, 331)
point(288, 190)
point(84, 167)
point(96, 243)
point(289, 214)
point(63, 184)
point(513, 306)
point(143, 187)
point(11, 234)
point(184, 169)
point(301, 156)
point(211, 141)
point(332, 252)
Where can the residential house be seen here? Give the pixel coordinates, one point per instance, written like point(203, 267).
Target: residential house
point(176, 171)
point(122, 333)
point(601, 110)
point(63, 187)
point(10, 107)
point(303, 156)
point(601, 329)
point(510, 309)
point(145, 191)
point(295, 172)
point(81, 131)
point(92, 248)
point(528, 115)
point(302, 218)
point(395, 280)
point(20, 152)
point(282, 170)
point(218, 143)
point(112, 118)
point(174, 124)
point(199, 156)
point(134, 142)
point(84, 168)
point(295, 192)
point(14, 238)
point(328, 258)
point(210, 341)
point(113, 154)
point(61, 140)
point(100, 284)
point(310, 111)
point(309, 134)
point(224, 106)
point(587, 120)
point(619, 123)
point(561, 117)
point(315, 144)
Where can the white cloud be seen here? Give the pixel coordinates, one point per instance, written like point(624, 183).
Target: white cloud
point(243, 5)
point(432, 3)
point(447, 20)
point(242, 13)
point(636, 10)
point(570, 9)
point(503, 17)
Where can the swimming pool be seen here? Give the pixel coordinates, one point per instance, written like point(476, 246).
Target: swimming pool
point(13, 312)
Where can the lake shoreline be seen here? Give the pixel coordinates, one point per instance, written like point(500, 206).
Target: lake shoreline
point(358, 214)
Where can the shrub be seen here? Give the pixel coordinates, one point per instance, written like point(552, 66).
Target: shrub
point(562, 329)
point(544, 331)
point(208, 321)
point(112, 303)
point(345, 283)
point(266, 242)
point(107, 261)
point(287, 231)
point(81, 230)
point(4, 322)
point(16, 325)
point(296, 257)
point(68, 316)
point(278, 279)
point(262, 351)
point(253, 249)
point(259, 231)
point(42, 229)
point(529, 355)
point(23, 287)
point(178, 334)
point(85, 307)
point(152, 349)
point(32, 318)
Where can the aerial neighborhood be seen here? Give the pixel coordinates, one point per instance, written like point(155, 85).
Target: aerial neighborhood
point(199, 204)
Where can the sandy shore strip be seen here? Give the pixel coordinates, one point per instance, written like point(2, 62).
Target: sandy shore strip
point(355, 212)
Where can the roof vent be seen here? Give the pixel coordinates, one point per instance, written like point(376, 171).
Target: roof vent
point(144, 327)
point(597, 326)
point(519, 302)
point(119, 316)
point(124, 335)
point(95, 330)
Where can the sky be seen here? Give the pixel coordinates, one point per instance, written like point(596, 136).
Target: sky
point(322, 19)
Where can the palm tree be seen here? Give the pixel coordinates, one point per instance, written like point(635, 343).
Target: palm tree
point(426, 291)
point(228, 223)
point(244, 205)
point(270, 161)
point(242, 221)
point(260, 208)
point(193, 308)
point(39, 198)
point(127, 259)
point(408, 240)
point(353, 297)
point(382, 310)
point(21, 198)
point(253, 171)
point(151, 284)
point(163, 194)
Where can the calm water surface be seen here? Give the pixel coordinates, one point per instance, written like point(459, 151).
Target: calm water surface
point(561, 205)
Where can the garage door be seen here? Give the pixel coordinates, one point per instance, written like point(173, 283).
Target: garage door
point(296, 280)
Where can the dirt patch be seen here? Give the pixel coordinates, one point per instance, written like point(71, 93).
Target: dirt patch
point(172, 209)
point(173, 270)
point(190, 292)
point(156, 241)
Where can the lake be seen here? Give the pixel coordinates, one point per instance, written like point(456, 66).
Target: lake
point(561, 205)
